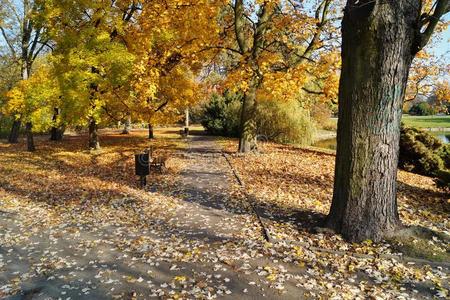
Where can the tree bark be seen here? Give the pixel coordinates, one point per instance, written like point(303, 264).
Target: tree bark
point(151, 134)
point(14, 134)
point(93, 135)
point(247, 141)
point(30, 140)
point(56, 133)
point(377, 51)
point(127, 126)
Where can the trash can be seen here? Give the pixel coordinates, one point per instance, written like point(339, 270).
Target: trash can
point(142, 164)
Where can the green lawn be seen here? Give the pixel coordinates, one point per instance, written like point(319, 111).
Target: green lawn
point(427, 121)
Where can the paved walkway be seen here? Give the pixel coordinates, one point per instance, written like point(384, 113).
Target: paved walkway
point(208, 211)
point(204, 247)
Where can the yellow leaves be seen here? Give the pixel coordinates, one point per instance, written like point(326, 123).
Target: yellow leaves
point(272, 277)
point(180, 279)
point(422, 55)
point(34, 99)
point(16, 100)
point(243, 86)
point(299, 251)
point(443, 91)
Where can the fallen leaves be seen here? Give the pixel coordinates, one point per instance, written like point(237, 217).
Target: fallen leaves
point(79, 220)
point(294, 187)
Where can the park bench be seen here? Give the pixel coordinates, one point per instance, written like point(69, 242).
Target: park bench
point(157, 162)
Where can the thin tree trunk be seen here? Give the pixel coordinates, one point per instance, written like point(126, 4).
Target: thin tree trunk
point(14, 134)
point(29, 133)
point(127, 126)
point(151, 134)
point(93, 135)
point(186, 121)
point(376, 57)
point(56, 133)
point(247, 141)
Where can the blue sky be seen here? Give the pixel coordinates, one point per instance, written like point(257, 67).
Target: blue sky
point(442, 46)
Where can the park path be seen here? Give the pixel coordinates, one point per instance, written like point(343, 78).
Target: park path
point(207, 210)
point(205, 247)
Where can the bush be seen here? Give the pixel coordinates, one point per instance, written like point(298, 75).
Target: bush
point(422, 109)
point(420, 152)
point(285, 122)
point(221, 115)
point(5, 126)
point(444, 153)
point(443, 179)
point(321, 113)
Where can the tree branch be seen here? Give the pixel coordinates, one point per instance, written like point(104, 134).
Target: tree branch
point(239, 25)
point(422, 39)
point(8, 42)
point(312, 92)
point(221, 48)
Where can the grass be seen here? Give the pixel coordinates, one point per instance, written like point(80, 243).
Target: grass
point(420, 121)
point(427, 121)
point(422, 243)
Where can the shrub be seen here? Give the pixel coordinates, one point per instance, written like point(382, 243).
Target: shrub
point(321, 113)
point(221, 115)
point(443, 179)
point(422, 109)
point(420, 152)
point(5, 126)
point(285, 122)
point(444, 153)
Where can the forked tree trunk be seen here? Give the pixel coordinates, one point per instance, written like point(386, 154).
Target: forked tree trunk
point(247, 141)
point(93, 135)
point(127, 126)
point(377, 51)
point(151, 134)
point(14, 134)
point(30, 139)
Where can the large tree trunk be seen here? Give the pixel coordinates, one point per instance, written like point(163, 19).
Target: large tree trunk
point(93, 135)
point(127, 125)
point(30, 140)
point(151, 134)
point(247, 141)
point(14, 134)
point(377, 51)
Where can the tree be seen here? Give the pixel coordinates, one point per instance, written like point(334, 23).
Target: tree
point(275, 47)
point(379, 42)
point(92, 60)
point(424, 71)
point(422, 109)
point(168, 40)
point(22, 29)
point(442, 94)
point(35, 98)
point(9, 76)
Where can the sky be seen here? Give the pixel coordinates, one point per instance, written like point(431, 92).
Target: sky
point(442, 47)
